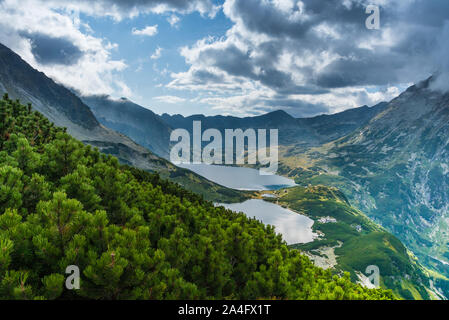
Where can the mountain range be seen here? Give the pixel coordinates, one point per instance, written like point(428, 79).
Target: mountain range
point(400, 160)
point(65, 109)
point(390, 159)
point(395, 169)
point(153, 131)
point(141, 124)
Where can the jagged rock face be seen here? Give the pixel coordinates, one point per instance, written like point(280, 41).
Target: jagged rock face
point(399, 168)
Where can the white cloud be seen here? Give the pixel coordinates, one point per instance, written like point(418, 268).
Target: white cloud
point(157, 53)
point(173, 20)
point(121, 9)
point(310, 55)
point(262, 100)
point(95, 72)
point(169, 99)
point(148, 31)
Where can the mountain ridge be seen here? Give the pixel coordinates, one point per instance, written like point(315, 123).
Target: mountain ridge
point(130, 234)
point(62, 107)
point(15, 72)
point(395, 169)
point(153, 131)
point(127, 151)
point(131, 119)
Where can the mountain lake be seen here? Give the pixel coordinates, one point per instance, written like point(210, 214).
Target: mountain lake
point(295, 228)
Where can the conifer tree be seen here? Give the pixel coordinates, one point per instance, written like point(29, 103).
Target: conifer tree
point(132, 234)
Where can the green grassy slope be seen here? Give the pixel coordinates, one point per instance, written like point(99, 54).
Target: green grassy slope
point(357, 241)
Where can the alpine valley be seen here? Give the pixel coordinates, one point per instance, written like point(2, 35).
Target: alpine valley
point(374, 180)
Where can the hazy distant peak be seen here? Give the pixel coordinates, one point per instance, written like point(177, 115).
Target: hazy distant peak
point(280, 114)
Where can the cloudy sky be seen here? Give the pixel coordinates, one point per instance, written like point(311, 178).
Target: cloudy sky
point(239, 57)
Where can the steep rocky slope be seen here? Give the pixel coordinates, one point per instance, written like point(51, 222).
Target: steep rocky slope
point(124, 116)
point(396, 169)
point(62, 107)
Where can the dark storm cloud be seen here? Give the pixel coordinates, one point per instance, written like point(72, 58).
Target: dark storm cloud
point(415, 28)
point(259, 16)
point(177, 4)
point(204, 77)
point(240, 64)
point(313, 47)
point(428, 12)
point(232, 60)
point(48, 50)
point(369, 69)
point(127, 6)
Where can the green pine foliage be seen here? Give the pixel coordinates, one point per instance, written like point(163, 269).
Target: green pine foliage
point(132, 234)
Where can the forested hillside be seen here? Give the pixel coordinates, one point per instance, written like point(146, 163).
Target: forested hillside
point(132, 235)
point(62, 107)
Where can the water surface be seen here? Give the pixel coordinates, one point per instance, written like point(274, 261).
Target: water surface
point(239, 178)
point(295, 228)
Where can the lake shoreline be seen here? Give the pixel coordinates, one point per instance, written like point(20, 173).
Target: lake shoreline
point(240, 178)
